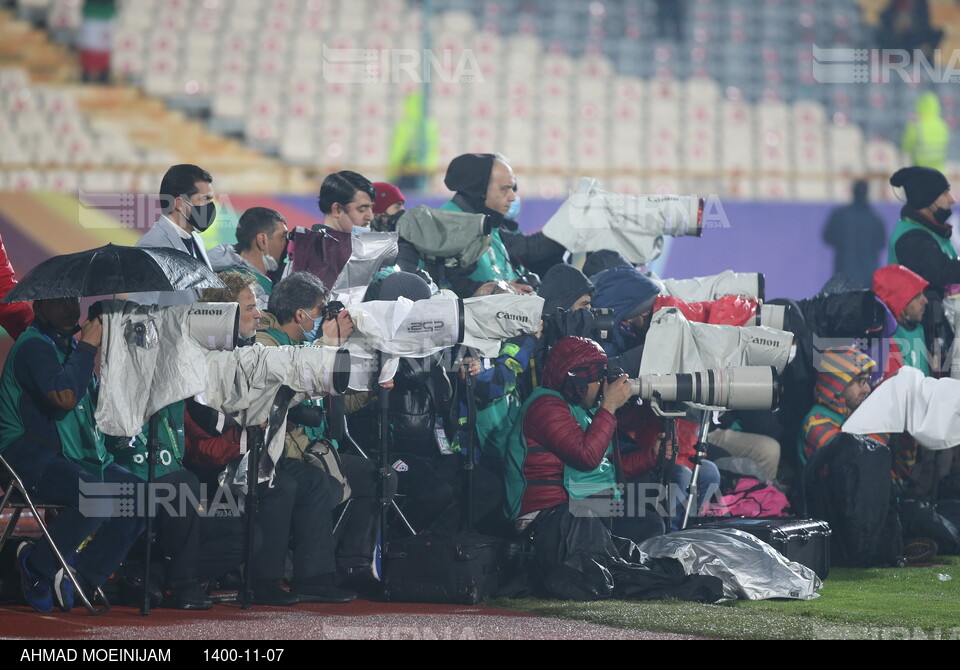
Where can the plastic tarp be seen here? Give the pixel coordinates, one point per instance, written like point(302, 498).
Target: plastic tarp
point(927, 408)
point(749, 568)
point(711, 287)
point(592, 219)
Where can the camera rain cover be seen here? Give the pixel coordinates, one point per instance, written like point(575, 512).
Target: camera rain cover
point(369, 252)
point(674, 344)
point(406, 328)
point(591, 219)
point(488, 320)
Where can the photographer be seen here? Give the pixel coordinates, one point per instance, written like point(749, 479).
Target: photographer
point(424, 450)
point(566, 435)
point(296, 504)
point(260, 249)
point(49, 436)
point(485, 184)
point(296, 316)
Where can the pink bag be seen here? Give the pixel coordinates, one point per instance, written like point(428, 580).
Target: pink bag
point(751, 498)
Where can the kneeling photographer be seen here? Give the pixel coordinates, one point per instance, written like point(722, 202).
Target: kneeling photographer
point(566, 436)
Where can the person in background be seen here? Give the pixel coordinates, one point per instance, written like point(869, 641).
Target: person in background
point(857, 235)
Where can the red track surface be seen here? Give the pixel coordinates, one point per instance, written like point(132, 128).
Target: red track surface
point(362, 619)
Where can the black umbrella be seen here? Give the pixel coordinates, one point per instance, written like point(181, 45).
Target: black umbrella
point(113, 269)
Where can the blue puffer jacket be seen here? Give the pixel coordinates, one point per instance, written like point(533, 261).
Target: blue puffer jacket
point(622, 289)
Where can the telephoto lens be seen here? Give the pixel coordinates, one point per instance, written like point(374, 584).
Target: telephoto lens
point(744, 388)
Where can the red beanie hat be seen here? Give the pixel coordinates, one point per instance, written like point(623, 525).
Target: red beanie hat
point(896, 286)
point(387, 194)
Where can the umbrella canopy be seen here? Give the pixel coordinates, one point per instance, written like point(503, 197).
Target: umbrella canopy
point(113, 269)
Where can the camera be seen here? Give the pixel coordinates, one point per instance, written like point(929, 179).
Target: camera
point(746, 388)
point(594, 323)
point(331, 310)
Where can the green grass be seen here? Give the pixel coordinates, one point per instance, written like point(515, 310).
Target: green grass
point(907, 603)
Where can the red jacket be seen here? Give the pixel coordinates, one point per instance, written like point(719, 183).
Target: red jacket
point(14, 316)
point(554, 438)
point(209, 451)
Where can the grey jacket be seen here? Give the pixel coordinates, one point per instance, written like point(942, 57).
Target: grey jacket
point(164, 234)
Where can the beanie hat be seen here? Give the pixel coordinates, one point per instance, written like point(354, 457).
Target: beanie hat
point(469, 174)
point(386, 195)
point(896, 286)
point(837, 368)
point(922, 185)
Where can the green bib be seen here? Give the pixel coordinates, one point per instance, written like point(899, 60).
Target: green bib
point(80, 438)
point(905, 226)
point(131, 452)
point(578, 484)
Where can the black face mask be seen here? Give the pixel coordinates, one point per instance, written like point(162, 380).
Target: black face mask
point(201, 216)
point(941, 215)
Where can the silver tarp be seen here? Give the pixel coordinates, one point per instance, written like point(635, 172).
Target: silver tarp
point(749, 568)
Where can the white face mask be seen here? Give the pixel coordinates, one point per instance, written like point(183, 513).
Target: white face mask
point(793, 353)
point(270, 263)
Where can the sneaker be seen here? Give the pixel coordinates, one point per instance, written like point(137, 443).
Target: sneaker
point(64, 590)
point(190, 597)
point(919, 550)
point(36, 590)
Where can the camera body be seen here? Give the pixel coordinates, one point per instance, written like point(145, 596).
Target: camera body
point(593, 323)
point(330, 311)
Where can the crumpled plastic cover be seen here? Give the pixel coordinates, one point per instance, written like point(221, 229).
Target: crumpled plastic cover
point(749, 568)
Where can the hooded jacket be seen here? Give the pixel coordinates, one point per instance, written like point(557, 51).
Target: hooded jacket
point(926, 140)
point(557, 447)
point(623, 289)
point(896, 286)
point(838, 367)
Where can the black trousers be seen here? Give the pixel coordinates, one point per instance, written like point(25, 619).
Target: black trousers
point(295, 511)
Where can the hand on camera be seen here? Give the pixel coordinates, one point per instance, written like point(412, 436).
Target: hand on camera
point(91, 332)
point(616, 393)
point(336, 331)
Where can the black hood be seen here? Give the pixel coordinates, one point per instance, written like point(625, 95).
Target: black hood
point(562, 286)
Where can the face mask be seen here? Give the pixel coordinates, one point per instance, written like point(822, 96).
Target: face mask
point(941, 215)
point(315, 333)
point(270, 263)
point(793, 353)
point(514, 210)
point(202, 216)
point(359, 230)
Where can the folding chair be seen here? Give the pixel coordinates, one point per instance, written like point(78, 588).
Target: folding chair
point(16, 499)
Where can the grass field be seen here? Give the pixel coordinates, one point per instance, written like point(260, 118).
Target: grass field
point(907, 603)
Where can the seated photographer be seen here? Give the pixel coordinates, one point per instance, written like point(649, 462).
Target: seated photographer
point(565, 434)
point(843, 383)
point(429, 467)
point(298, 315)
point(294, 508)
point(48, 435)
point(634, 299)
